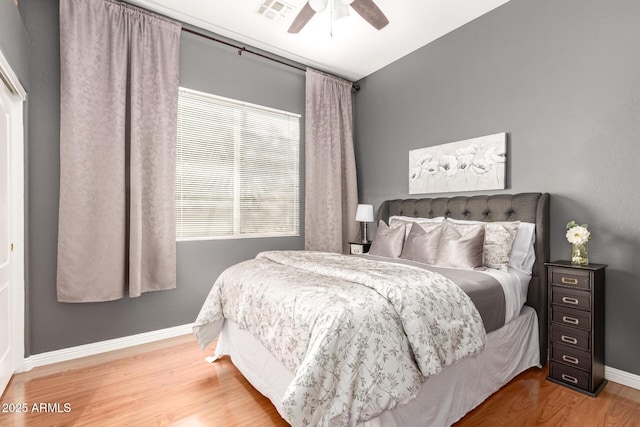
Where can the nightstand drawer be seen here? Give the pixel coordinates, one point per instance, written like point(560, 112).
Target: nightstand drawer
point(571, 356)
point(358, 248)
point(571, 317)
point(571, 336)
point(571, 297)
point(569, 375)
point(570, 277)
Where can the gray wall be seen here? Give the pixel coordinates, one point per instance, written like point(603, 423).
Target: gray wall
point(205, 66)
point(563, 79)
point(14, 40)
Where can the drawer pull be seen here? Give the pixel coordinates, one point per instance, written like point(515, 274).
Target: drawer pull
point(570, 379)
point(569, 281)
point(569, 340)
point(569, 300)
point(570, 359)
point(572, 320)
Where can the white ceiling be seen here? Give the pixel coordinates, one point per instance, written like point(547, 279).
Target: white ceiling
point(355, 49)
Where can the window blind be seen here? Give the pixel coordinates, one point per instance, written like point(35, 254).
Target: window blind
point(237, 171)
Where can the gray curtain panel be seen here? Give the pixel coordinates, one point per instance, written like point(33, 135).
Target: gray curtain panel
point(119, 97)
point(331, 190)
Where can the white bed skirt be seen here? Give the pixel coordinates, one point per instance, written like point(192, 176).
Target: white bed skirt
point(443, 398)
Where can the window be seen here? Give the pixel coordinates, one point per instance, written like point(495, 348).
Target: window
point(237, 169)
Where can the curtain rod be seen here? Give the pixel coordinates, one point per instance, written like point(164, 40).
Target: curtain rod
point(242, 49)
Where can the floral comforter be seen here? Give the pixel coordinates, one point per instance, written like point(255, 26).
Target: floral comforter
point(359, 335)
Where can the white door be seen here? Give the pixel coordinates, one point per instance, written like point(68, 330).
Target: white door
point(11, 236)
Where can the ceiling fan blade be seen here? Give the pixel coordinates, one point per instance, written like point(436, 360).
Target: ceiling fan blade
point(370, 12)
point(305, 15)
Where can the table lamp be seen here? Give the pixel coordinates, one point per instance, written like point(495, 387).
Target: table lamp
point(364, 214)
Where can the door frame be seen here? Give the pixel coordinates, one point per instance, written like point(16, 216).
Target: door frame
point(17, 211)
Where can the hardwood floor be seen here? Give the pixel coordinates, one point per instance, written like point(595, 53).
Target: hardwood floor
point(531, 400)
point(168, 384)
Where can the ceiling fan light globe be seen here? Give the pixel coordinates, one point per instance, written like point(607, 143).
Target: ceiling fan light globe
point(340, 11)
point(318, 5)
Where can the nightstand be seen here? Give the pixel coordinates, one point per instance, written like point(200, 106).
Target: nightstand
point(359, 247)
point(576, 326)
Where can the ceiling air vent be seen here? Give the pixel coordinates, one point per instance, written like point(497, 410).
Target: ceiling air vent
point(274, 10)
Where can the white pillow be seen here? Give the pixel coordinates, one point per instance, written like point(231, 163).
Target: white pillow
point(416, 219)
point(407, 222)
point(523, 254)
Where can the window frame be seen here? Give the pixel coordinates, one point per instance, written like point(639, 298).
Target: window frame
point(239, 107)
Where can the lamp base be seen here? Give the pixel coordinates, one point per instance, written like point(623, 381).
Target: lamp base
point(364, 236)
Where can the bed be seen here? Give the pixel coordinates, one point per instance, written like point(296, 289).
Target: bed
point(349, 375)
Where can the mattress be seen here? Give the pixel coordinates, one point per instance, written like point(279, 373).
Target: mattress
point(443, 398)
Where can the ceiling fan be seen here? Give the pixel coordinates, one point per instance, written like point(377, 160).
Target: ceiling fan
point(365, 8)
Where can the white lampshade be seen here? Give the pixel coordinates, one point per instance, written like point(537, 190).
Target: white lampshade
point(364, 213)
point(318, 5)
point(346, 2)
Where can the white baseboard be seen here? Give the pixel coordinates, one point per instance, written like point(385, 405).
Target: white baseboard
point(71, 353)
point(42, 359)
point(622, 377)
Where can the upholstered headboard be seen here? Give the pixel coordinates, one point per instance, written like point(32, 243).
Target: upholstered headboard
point(528, 207)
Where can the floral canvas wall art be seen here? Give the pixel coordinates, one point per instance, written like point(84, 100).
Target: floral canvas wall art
point(468, 165)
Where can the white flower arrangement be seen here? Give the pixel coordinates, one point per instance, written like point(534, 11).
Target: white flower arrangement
point(578, 234)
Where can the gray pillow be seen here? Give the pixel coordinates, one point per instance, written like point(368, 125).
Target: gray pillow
point(498, 241)
point(422, 245)
point(388, 241)
point(461, 250)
